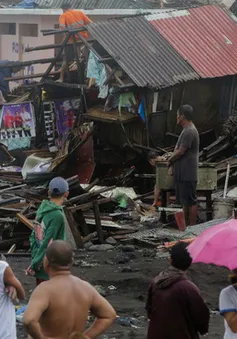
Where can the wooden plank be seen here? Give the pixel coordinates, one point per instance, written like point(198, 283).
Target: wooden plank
point(63, 84)
point(12, 188)
point(74, 229)
point(44, 47)
point(30, 76)
point(89, 195)
point(82, 222)
point(99, 114)
point(98, 221)
point(47, 32)
point(26, 63)
point(12, 249)
point(90, 186)
point(54, 61)
point(88, 205)
point(10, 210)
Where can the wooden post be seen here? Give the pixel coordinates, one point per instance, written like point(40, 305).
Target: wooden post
point(81, 220)
point(74, 229)
point(79, 71)
point(96, 211)
point(51, 66)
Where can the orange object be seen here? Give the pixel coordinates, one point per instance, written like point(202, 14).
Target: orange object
point(74, 19)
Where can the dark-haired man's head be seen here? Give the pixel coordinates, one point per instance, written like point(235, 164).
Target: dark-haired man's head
point(152, 158)
point(180, 257)
point(66, 6)
point(58, 257)
point(184, 114)
point(58, 190)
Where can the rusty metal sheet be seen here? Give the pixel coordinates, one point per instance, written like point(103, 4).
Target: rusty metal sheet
point(205, 36)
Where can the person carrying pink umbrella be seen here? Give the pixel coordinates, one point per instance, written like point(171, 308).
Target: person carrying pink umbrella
point(218, 245)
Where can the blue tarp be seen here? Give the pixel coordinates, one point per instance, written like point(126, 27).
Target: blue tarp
point(28, 4)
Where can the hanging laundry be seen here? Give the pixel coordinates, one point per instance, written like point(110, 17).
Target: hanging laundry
point(125, 100)
point(112, 100)
point(97, 71)
point(142, 109)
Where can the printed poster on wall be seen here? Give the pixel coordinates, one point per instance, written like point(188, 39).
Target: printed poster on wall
point(66, 112)
point(17, 121)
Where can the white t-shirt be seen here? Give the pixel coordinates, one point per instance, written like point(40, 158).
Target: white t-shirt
point(7, 309)
point(26, 119)
point(228, 303)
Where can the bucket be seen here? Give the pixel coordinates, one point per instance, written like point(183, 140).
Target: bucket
point(222, 208)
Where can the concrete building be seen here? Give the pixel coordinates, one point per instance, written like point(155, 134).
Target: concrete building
point(20, 28)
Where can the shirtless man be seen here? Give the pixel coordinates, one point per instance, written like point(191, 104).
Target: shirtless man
point(59, 308)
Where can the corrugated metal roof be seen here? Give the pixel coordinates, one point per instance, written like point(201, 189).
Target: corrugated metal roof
point(142, 52)
point(206, 37)
point(99, 4)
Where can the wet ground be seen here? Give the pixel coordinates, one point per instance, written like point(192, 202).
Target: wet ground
point(126, 286)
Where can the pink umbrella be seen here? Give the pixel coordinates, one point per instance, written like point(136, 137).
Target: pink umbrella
point(217, 245)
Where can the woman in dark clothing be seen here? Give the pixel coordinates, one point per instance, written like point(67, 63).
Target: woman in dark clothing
point(175, 307)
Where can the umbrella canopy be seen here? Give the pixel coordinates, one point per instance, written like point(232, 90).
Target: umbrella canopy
point(217, 245)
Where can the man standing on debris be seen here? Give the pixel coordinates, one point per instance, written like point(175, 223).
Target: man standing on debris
point(185, 162)
point(10, 290)
point(59, 308)
point(71, 19)
point(49, 226)
point(171, 293)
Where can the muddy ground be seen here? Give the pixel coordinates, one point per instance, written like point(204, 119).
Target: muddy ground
point(131, 282)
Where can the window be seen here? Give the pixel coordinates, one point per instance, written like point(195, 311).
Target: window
point(7, 28)
point(28, 30)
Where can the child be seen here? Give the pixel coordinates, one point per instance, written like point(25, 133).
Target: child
point(49, 226)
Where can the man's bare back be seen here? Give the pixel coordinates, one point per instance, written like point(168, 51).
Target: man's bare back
point(70, 300)
point(59, 308)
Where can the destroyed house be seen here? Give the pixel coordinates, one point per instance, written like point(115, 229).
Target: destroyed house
point(135, 74)
point(170, 58)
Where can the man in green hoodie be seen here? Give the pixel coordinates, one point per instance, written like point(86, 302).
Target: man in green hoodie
point(49, 226)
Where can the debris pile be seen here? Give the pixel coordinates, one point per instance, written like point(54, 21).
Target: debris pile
point(94, 214)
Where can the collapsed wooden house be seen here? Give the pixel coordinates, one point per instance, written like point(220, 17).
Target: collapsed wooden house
point(146, 67)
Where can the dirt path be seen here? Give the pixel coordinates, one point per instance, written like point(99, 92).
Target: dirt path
point(131, 281)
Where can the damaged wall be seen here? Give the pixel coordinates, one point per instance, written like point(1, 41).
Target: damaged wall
point(212, 99)
point(114, 136)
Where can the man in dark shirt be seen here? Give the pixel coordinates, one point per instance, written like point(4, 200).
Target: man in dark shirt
point(185, 162)
point(175, 307)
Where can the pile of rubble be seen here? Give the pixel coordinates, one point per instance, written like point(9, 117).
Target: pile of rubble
point(94, 214)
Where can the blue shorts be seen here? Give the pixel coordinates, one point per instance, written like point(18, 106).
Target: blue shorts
point(186, 193)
